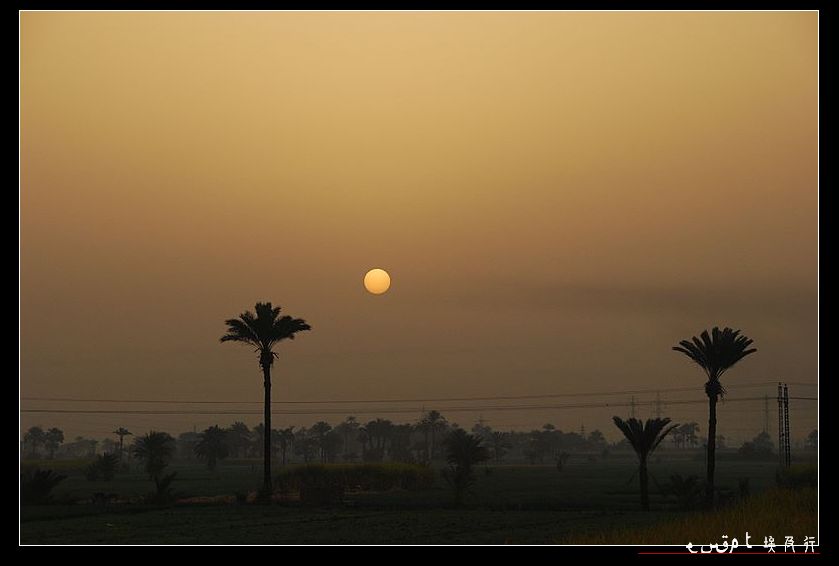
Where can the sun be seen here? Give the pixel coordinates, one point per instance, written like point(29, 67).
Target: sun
point(377, 281)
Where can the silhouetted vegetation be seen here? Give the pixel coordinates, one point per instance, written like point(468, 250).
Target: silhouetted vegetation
point(644, 439)
point(212, 446)
point(36, 486)
point(155, 450)
point(797, 477)
point(686, 490)
point(715, 353)
point(760, 447)
point(263, 331)
point(326, 484)
point(104, 467)
point(163, 493)
point(463, 452)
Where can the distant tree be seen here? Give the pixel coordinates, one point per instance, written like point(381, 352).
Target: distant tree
point(400, 443)
point(320, 429)
point(104, 467)
point(363, 439)
point(330, 445)
point(305, 445)
point(239, 439)
point(463, 452)
point(379, 432)
point(285, 439)
point(347, 429)
point(715, 353)
point(688, 432)
point(432, 424)
point(121, 432)
point(644, 438)
point(500, 444)
point(760, 447)
point(33, 439)
point(212, 446)
point(263, 331)
point(813, 440)
point(721, 442)
point(597, 440)
point(52, 440)
point(155, 450)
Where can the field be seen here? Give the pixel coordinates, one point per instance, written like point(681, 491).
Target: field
point(509, 504)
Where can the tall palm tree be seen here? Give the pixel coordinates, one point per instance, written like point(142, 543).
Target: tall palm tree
point(263, 331)
point(212, 446)
point(644, 438)
point(121, 432)
point(715, 353)
point(155, 449)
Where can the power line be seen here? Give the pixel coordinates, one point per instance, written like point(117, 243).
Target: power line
point(410, 400)
point(385, 410)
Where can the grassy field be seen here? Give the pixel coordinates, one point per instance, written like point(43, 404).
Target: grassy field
point(518, 504)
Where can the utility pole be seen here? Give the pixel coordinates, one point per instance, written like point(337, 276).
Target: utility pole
point(783, 425)
point(632, 407)
point(787, 456)
point(657, 405)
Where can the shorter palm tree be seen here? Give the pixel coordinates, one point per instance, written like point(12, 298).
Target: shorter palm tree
point(155, 450)
point(463, 451)
point(644, 438)
point(212, 446)
point(121, 432)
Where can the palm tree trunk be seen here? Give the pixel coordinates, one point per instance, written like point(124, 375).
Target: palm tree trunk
point(645, 488)
point(712, 448)
point(266, 434)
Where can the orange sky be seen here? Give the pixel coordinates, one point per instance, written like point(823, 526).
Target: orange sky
point(559, 198)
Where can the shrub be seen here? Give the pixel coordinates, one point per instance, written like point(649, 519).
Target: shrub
point(36, 486)
point(163, 494)
point(105, 466)
point(326, 483)
point(687, 491)
point(797, 477)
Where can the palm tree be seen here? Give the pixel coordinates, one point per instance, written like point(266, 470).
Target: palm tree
point(240, 438)
point(644, 438)
point(432, 423)
point(346, 428)
point(463, 451)
point(263, 331)
point(212, 446)
point(32, 439)
point(715, 353)
point(155, 450)
point(121, 432)
point(286, 438)
point(52, 440)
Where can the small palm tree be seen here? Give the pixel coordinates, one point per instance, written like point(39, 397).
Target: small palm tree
point(644, 438)
point(121, 432)
point(155, 450)
point(715, 353)
point(212, 446)
point(463, 451)
point(263, 331)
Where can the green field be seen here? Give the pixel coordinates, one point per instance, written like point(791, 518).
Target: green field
point(517, 504)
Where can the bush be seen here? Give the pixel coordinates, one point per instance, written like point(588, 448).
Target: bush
point(686, 490)
point(163, 494)
point(797, 477)
point(36, 486)
point(105, 466)
point(326, 483)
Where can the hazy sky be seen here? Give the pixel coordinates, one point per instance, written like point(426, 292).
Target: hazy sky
point(558, 197)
